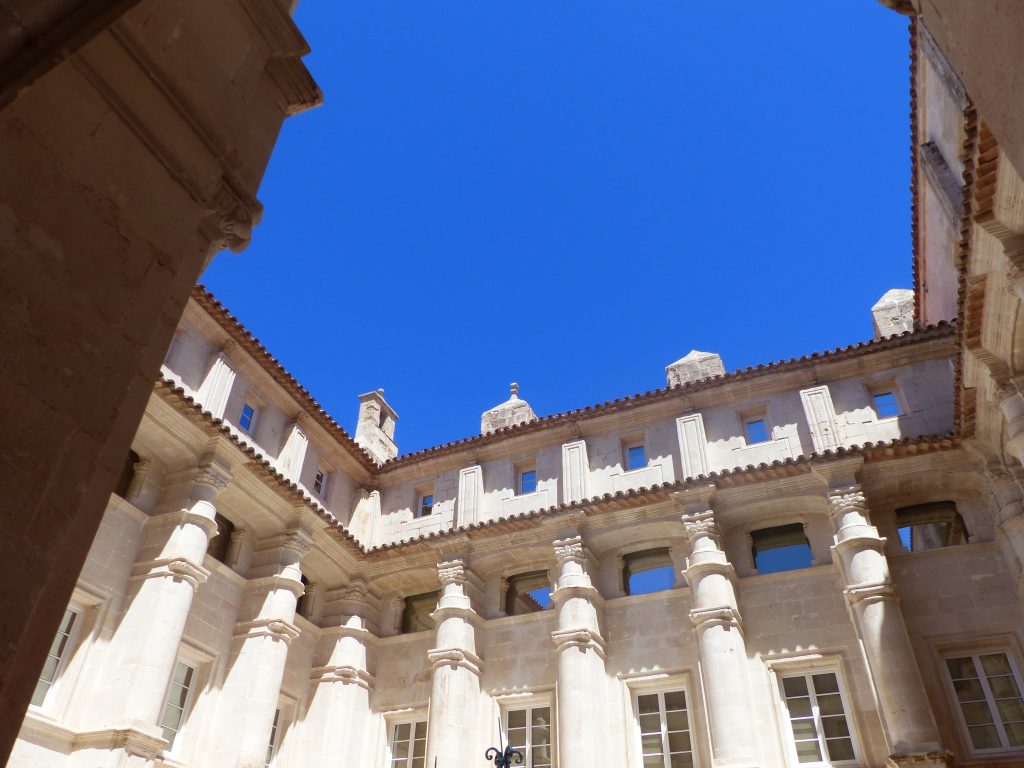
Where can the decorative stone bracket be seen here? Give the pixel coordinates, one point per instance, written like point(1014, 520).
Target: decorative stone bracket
point(345, 674)
point(582, 639)
point(276, 629)
point(455, 658)
point(725, 616)
point(178, 568)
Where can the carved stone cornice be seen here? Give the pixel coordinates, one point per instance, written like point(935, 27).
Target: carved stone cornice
point(275, 629)
point(724, 615)
point(177, 568)
point(873, 592)
point(570, 550)
point(344, 674)
point(582, 639)
point(455, 658)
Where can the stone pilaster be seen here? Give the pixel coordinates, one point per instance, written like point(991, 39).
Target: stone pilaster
point(259, 650)
point(1011, 403)
point(1009, 516)
point(214, 392)
point(582, 677)
point(163, 582)
point(723, 652)
point(907, 719)
point(338, 718)
point(455, 689)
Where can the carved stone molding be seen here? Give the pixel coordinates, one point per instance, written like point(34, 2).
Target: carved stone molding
point(851, 497)
point(177, 568)
point(297, 542)
point(569, 550)
point(276, 629)
point(455, 658)
point(582, 639)
point(882, 590)
point(921, 760)
point(451, 572)
point(212, 477)
point(133, 741)
point(344, 674)
point(700, 524)
point(357, 590)
point(723, 615)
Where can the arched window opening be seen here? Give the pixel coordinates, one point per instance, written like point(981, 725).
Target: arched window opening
point(651, 570)
point(218, 548)
point(781, 548)
point(527, 593)
point(930, 526)
point(124, 479)
point(416, 616)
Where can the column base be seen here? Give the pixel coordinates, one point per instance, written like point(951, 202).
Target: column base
point(921, 760)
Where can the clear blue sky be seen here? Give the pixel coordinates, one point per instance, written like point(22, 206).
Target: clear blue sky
point(573, 195)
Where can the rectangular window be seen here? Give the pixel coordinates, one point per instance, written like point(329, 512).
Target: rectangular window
point(177, 701)
point(781, 548)
point(248, 418)
point(988, 691)
point(885, 404)
point(664, 729)
point(527, 481)
point(529, 731)
point(417, 610)
point(818, 723)
point(527, 593)
point(320, 482)
point(274, 736)
point(651, 570)
point(54, 658)
point(756, 430)
point(409, 745)
point(636, 456)
point(425, 504)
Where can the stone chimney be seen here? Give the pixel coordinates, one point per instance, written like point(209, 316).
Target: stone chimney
point(375, 430)
point(894, 312)
point(513, 411)
point(694, 367)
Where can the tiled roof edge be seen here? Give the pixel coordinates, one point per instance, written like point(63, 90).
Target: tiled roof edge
point(281, 375)
point(870, 451)
point(939, 330)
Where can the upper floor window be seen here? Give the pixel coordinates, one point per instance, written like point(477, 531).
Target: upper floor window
point(755, 430)
point(408, 745)
point(636, 454)
point(55, 658)
point(527, 481)
point(275, 737)
point(124, 479)
point(221, 541)
point(416, 614)
point(321, 481)
point(527, 592)
point(988, 691)
point(651, 570)
point(781, 548)
point(528, 730)
point(177, 701)
point(424, 503)
point(247, 419)
point(664, 725)
point(930, 526)
point(885, 403)
point(818, 724)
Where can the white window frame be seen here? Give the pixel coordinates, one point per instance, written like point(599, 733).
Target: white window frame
point(529, 704)
point(421, 496)
point(62, 662)
point(973, 652)
point(392, 724)
point(630, 442)
point(812, 665)
point(249, 402)
point(663, 686)
point(325, 486)
point(274, 745)
point(175, 746)
point(522, 470)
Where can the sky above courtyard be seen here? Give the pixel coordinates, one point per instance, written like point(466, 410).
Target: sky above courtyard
point(573, 195)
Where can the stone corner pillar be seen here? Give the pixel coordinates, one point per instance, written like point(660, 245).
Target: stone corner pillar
point(456, 670)
point(859, 550)
point(720, 644)
point(581, 691)
point(1009, 505)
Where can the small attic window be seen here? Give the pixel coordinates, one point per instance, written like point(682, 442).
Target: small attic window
point(755, 430)
point(424, 503)
point(636, 454)
point(527, 593)
point(931, 526)
point(651, 570)
point(885, 403)
point(781, 548)
point(416, 616)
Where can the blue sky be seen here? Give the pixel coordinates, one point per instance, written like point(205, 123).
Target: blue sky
point(573, 195)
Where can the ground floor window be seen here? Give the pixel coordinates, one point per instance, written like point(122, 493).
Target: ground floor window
point(988, 693)
point(176, 703)
point(408, 745)
point(528, 729)
point(55, 658)
point(818, 724)
point(664, 725)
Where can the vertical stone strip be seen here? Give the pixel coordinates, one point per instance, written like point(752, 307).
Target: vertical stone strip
point(455, 691)
point(693, 445)
point(575, 471)
point(582, 678)
point(338, 717)
point(860, 552)
point(293, 455)
point(259, 652)
point(1009, 503)
point(821, 417)
point(215, 390)
point(471, 495)
point(723, 652)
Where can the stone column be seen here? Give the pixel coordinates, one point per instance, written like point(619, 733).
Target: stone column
point(723, 652)
point(249, 695)
point(1006, 491)
point(907, 719)
point(163, 582)
point(582, 678)
point(338, 718)
point(455, 691)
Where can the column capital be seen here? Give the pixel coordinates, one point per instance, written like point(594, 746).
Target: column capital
point(700, 524)
point(846, 498)
point(451, 572)
point(211, 477)
point(297, 541)
point(570, 550)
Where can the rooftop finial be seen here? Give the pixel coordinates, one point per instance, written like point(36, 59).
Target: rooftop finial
point(515, 391)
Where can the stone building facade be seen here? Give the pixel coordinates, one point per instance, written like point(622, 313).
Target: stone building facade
point(267, 590)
